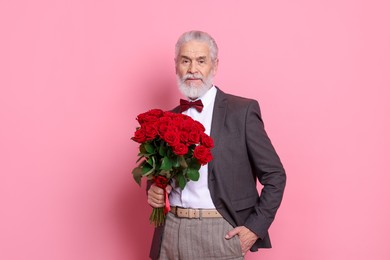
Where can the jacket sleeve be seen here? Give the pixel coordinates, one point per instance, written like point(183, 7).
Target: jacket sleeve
point(268, 169)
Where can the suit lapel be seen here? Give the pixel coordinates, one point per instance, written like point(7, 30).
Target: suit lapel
point(217, 123)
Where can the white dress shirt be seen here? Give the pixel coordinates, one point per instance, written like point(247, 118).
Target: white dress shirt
point(196, 194)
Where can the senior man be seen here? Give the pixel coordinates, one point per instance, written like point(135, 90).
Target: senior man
point(222, 215)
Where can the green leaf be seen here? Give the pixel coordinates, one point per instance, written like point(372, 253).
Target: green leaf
point(142, 149)
point(194, 164)
point(149, 148)
point(147, 169)
point(169, 151)
point(151, 161)
point(193, 174)
point(175, 162)
point(137, 175)
point(166, 164)
point(162, 151)
point(182, 181)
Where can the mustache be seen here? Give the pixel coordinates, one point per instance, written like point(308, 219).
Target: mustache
point(192, 76)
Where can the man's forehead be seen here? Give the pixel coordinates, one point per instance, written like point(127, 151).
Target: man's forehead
point(194, 48)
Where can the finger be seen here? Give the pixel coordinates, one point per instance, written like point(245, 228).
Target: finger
point(158, 193)
point(156, 203)
point(244, 248)
point(157, 190)
point(247, 239)
point(155, 199)
point(232, 233)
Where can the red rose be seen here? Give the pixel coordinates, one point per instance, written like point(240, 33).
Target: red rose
point(172, 138)
point(171, 127)
point(150, 119)
point(162, 129)
point(183, 137)
point(180, 116)
point(163, 123)
point(150, 130)
point(156, 112)
point(141, 118)
point(177, 121)
point(164, 120)
point(170, 114)
point(180, 149)
point(193, 137)
point(199, 126)
point(206, 140)
point(202, 154)
point(139, 136)
point(187, 124)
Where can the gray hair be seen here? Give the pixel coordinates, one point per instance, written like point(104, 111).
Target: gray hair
point(198, 36)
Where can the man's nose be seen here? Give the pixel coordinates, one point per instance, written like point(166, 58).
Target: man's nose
point(193, 68)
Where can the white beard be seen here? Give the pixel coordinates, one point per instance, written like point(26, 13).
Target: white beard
point(194, 92)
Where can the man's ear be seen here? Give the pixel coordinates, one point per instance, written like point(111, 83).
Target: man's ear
point(175, 65)
point(215, 67)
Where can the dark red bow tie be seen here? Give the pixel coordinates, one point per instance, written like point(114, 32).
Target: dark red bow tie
point(185, 105)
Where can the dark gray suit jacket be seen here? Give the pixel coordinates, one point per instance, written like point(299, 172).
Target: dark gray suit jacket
point(243, 153)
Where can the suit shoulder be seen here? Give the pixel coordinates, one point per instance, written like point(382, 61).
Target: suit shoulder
point(241, 101)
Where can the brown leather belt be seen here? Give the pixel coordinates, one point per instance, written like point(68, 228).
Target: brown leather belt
point(195, 213)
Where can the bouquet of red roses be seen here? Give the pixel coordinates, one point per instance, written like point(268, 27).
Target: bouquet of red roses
point(172, 147)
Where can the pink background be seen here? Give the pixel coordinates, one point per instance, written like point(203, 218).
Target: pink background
point(74, 75)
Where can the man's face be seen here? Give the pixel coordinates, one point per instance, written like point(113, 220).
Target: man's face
point(194, 68)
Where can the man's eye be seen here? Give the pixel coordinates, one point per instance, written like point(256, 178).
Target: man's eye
point(185, 61)
point(201, 61)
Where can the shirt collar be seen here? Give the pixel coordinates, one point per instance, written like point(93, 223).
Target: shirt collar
point(208, 97)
